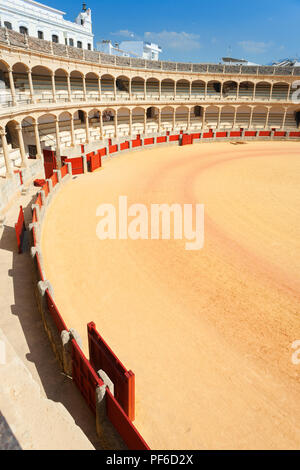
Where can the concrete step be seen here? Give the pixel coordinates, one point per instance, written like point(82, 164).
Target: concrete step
point(36, 422)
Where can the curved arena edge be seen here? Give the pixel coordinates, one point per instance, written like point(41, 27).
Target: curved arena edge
point(63, 111)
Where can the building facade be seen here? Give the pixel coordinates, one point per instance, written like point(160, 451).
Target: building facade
point(138, 49)
point(43, 22)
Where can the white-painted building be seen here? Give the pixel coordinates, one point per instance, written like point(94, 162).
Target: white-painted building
point(144, 50)
point(44, 22)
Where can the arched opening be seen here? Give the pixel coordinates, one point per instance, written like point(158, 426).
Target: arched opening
point(5, 92)
point(123, 121)
point(167, 114)
point(122, 86)
point(42, 84)
point(94, 124)
point(137, 88)
point(47, 131)
point(276, 117)
point(229, 90)
point(259, 117)
point(152, 87)
point(243, 116)
point(92, 86)
point(181, 118)
point(183, 89)
point(263, 91)
point(77, 88)
point(13, 142)
point(227, 117)
point(138, 120)
point(211, 117)
point(280, 92)
point(20, 75)
point(168, 89)
point(61, 85)
point(198, 89)
point(108, 119)
point(214, 89)
point(196, 117)
point(152, 119)
point(65, 128)
point(29, 137)
point(246, 90)
point(107, 87)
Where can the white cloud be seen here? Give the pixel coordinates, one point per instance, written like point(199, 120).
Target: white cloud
point(174, 40)
point(124, 33)
point(255, 47)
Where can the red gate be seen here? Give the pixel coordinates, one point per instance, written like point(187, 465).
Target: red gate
point(49, 162)
point(77, 165)
point(102, 357)
point(84, 376)
point(20, 230)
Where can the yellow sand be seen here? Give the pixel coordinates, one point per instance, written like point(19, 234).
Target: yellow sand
point(208, 333)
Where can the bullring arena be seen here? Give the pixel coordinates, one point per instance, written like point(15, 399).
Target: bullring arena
point(208, 334)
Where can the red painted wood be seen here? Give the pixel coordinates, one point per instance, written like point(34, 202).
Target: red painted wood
point(20, 229)
point(102, 357)
point(123, 425)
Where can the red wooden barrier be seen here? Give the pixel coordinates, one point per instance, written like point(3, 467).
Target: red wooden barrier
point(123, 425)
point(45, 188)
point(162, 139)
point(279, 134)
point(264, 133)
point(102, 152)
point(39, 200)
point(64, 171)
point(54, 312)
point(77, 165)
point(196, 136)
point(49, 162)
point(149, 141)
point(39, 269)
point(124, 146)
point(221, 134)
point(136, 143)
point(173, 138)
point(186, 139)
point(113, 148)
point(84, 376)
point(54, 180)
point(235, 134)
point(20, 175)
point(250, 133)
point(102, 357)
point(294, 134)
point(208, 135)
point(95, 162)
point(20, 229)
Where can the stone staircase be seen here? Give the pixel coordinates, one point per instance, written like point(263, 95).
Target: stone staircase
point(15, 158)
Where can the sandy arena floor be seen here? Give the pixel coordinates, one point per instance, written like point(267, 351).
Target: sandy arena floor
point(208, 333)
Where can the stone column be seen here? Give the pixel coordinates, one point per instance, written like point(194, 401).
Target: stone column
point(12, 87)
point(238, 91)
point(174, 119)
point(190, 91)
point(101, 126)
point(116, 123)
point(115, 88)
point(58, 160)
point(145, 121)
point(189, 119)
point(251, 117)
point(37, 140)
point(234, 118)
point(69, 87)
point(129, 89)
point(21, 145)
point(8, 165)
point(31, 86)
point(219, 118)
point(159, 89)
point(159, 120)
point(284, 118)
point(205, 92)
point(254, 91)
point(271, 91)
point(87, 128)
point(221, 91)
point(130, 122)
point(84, 88)
point(53, 87)
point(267, 117)
point(72, 130)
point(203, 118)
point(99, 87)
point(289, 92)
point(145, 90)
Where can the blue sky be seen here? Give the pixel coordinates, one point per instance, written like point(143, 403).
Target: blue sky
point(201, 31)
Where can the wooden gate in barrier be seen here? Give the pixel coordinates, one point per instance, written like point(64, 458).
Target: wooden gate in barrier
point(49, 162)
point(103, 358)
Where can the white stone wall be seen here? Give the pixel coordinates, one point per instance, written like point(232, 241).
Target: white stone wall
point(37, 17)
